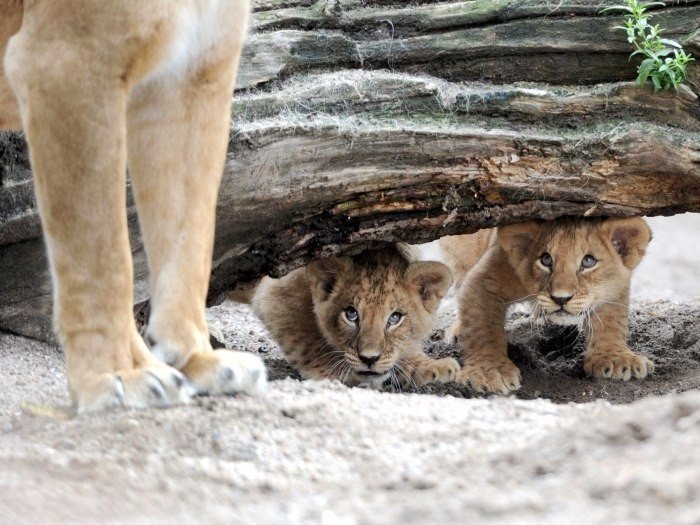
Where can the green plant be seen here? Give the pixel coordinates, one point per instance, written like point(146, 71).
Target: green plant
point(665, 61)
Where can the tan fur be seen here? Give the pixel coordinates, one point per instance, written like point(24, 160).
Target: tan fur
point(304, 311)
point(508, 269)
point(92, 81)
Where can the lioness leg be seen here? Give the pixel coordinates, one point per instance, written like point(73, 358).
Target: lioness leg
point(177, 146)
point(71, 83)
point(10, 22)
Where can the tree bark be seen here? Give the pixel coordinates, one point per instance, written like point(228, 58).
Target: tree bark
point(359, 122)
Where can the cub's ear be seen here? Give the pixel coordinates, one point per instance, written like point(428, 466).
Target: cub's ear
point(518, 237)
point(630, 238)
point(324, 273)
point(431, 279)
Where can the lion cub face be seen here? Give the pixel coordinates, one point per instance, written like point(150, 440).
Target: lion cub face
point(572, 267)
point(373, 306)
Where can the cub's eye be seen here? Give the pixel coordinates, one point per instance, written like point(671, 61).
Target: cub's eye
point(351, 314)
point(588, 261)
point(394, 318)
point(546, 260)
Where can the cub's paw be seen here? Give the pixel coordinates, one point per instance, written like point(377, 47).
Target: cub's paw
point(442, 370)
point(226, 372)
point(498, 377)
point(452, 333)
point(150, 386)
point(620, 364)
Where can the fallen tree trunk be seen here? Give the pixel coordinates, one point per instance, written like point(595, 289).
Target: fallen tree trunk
point(359, 123)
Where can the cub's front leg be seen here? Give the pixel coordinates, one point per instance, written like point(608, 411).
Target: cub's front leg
point(481, 335)
point(607, 354)
point(417, 369)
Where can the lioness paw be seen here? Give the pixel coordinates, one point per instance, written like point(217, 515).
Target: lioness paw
point(152, 386)
point(623, 364)
point(226, 372)
point(445, 369)
point(500, 377)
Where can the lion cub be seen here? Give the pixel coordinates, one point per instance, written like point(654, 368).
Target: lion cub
point(358, 319)
point(570, 270)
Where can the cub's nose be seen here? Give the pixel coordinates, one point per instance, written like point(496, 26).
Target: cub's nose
point(561, 300)
point(369, 360)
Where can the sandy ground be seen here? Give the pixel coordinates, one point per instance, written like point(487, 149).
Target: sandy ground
point(318, 452)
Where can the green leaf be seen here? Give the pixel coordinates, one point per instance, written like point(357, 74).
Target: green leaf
point(684, 57)
point(671, 43)
point(665, 52)
point(617, 8)
point(644, 69)
point(656, 82)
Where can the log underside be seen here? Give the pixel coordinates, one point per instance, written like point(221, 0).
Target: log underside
point(364, 122)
